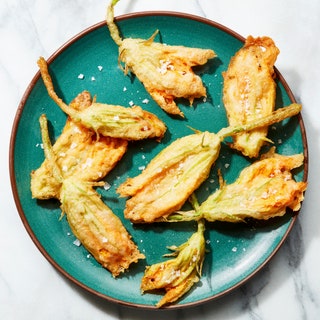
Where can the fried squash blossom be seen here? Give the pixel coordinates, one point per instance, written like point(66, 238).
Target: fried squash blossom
point(165, 70)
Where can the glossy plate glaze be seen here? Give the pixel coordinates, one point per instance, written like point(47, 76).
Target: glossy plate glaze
point(236, 252)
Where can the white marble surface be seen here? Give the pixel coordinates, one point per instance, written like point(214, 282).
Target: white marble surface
point(288, 287)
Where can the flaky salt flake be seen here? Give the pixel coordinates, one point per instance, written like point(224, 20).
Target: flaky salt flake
point(263, 49)
point(81, 76)
point(39, 145)
point(234, 249)
point(145, 101)
point(76, 130)
point(105, 240)
point(77, 242)
point(100, 68)
point(165, 65)
point(106, 186)
point(93, 79)
point(88, 163)
point(131, 103)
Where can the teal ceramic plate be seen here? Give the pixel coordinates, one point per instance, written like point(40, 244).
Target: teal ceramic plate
point(236, 252)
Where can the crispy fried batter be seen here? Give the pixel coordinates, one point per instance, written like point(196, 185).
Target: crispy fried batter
point(75, 164)
point(178, 275)
point(249, 91)
point(108, 120)
point(165, 71)
point(170, 178)
point(77, 152)
point(263, 190)
point(99, 230)
point(178, 170)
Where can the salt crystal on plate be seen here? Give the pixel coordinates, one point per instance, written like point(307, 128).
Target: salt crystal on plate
point(77, 242)
point(106, 186)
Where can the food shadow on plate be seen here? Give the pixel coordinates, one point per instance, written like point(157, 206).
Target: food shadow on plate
point(242, 228)
point(49, 205)
point(209, 69)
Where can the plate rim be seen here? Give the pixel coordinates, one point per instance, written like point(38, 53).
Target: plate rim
point(15, 125)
